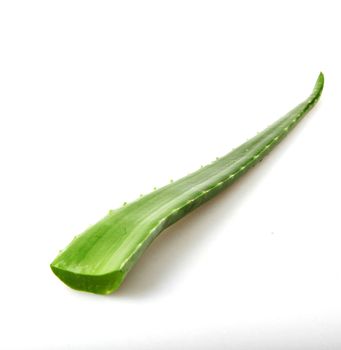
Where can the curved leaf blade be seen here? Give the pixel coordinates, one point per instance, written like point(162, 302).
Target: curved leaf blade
point(98, 260)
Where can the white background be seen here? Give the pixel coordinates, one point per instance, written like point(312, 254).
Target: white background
point(102, 101)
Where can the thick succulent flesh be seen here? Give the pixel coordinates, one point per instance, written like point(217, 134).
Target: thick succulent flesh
point(98, 260)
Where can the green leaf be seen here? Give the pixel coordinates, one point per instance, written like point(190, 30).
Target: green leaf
point(98, 260)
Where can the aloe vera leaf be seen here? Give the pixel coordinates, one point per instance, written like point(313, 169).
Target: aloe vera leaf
point(98, 260)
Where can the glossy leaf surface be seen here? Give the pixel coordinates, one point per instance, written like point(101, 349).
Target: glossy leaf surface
point(99, 259)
